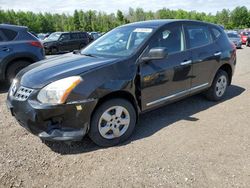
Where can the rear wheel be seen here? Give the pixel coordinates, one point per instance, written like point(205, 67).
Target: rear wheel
point(14, 68)
point(247, 43)
point(113, 122)
point(219, 87)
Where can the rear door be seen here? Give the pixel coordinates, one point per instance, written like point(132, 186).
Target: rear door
point(6, 44)
point(75, 41)
point(2, 52)
point(205, 53)
point(167, 79)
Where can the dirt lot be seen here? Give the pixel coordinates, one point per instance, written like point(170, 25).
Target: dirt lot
point(192, 143)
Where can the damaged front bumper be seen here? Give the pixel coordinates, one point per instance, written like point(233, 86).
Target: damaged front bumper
point(67, 122)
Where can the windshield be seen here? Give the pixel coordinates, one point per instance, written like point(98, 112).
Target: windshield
point(120, 42)
point(232, 35)
point(54, 36)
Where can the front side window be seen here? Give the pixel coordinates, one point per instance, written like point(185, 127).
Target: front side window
point(198, 36)
point(120, 42)
point(64, 37)
point(171, 38)
point(1, 37)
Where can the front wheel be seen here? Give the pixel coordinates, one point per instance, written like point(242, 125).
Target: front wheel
point(219, 87)
point(112, 123)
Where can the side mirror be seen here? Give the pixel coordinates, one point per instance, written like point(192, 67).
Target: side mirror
point(76, 51)
point(155, 54)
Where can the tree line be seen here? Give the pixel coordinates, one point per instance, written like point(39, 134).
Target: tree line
point(103, 22)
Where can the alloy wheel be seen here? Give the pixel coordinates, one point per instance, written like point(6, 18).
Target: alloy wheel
point(221, 85)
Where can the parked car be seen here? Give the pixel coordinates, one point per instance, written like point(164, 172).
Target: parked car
point(244, 36)
point(65, 42)
point(248, 40)
point(235, 38)
point(43, 36)
point(18, 49)
point(101, 90)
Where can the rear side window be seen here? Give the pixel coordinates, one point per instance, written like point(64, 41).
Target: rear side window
point(216, 33)
point(198, 36)
point(74, 36)
point(1, 38)
point(9, 34)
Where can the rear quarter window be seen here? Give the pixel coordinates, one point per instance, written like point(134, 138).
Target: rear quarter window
point(9, 34)
point(216, 33)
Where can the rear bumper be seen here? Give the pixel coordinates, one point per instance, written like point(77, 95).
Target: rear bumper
point(68, 122)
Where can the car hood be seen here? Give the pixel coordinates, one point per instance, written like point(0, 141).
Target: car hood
point(48, 41)
point(44, 72)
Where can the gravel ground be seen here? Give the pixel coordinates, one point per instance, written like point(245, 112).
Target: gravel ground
point(192, 143)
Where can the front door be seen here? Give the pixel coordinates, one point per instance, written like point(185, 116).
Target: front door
point(65, 42)
point(167, 79)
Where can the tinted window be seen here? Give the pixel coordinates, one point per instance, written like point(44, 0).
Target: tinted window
point(83, 35)
point(216, 33)
point(198, 36)
point(74, 36)
point(65, 37)
point(1, 38)
point(9, 34)
point(171, 38)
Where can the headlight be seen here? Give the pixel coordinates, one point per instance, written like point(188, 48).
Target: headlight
point(57, 92)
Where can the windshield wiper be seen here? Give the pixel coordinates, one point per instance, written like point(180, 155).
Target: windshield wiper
point(89, 55)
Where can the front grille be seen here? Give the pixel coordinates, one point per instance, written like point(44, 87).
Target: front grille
point(23, 93)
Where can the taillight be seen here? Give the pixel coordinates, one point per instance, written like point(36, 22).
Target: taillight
point(36, 44)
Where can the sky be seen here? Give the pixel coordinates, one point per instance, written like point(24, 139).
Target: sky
point(109, 6)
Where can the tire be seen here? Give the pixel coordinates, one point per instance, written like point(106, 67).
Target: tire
point(14, 68)
point(54, 51)
point(110, 133)
point(219, 86)
point(247, 44)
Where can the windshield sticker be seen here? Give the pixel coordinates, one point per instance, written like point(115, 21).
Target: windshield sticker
point(143, 30)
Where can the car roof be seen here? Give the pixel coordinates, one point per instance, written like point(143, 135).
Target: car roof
point(160, 22)
point(13, 27)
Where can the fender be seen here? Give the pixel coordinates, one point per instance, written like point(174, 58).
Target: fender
point(5, 62)
point(216, 70)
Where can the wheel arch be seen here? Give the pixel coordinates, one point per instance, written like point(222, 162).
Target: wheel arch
point(228, 69)
point(122, 94)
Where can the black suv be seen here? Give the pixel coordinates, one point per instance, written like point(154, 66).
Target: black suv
point(132, 69)
point(59, 42)
point(18, 49)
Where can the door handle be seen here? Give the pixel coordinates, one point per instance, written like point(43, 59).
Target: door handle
point(186, 62)
point(5, 49)
point(217, 53)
